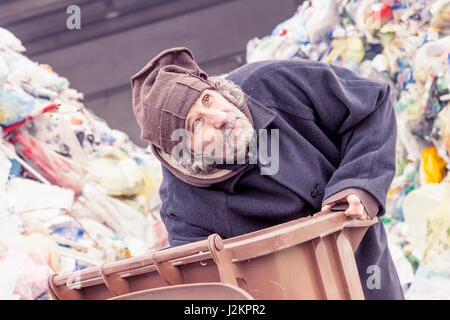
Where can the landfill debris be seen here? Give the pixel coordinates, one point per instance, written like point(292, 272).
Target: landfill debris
point(422, 207)
point(116, 172)
point(407, 45)
point(432, 281)
point(73, 192)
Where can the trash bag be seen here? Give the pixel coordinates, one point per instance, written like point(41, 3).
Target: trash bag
point(116, 172)
point(14, 106)
point(441, 15)
point(420, 204)
point(95, 204)
point(26, 261)
point(438, 231)
point(38, 200)
point(346, 50)
point(431, 282)
point(22, 276)
point(54, 168)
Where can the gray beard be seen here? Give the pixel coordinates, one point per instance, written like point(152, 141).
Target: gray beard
point(205, 163)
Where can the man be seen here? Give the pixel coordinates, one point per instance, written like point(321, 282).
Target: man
point(332, 133)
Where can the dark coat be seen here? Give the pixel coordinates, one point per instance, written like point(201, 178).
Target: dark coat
point(337, 131)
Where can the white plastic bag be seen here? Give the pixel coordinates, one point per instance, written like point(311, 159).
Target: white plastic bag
point(123, 219)
point(432, 281)
point(38, 200)
point(27, 276)
point(418, 206)
point(116, 172)
point(14, 106)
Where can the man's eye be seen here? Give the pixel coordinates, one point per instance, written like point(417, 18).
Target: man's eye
point(206, 99)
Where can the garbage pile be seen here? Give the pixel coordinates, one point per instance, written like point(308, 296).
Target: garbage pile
point(406, 44)
point(73, 192)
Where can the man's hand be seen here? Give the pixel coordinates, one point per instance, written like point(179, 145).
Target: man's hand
point(355, 208)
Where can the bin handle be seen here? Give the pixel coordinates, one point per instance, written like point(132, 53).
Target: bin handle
point(228, 271)
point(115, 283)
point(171, 274)
point(62, 292)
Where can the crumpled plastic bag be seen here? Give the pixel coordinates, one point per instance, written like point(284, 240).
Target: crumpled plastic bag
point(53, 168)
point(431, 281)
point(116, 172)
point(95, 204)
point(441, 15)
point(38, 200)
point(26, 261)
point(438, 231)
point(324, 17)
point(428, 58)
point(14, 106)
point(420, 204)
point(402, 265)
point(295, 25)
point(54, 131)
point(348, 49)
point(432, 166)
point(42, 75)
point(22, 276)
point(310, 24)
point(269, 48)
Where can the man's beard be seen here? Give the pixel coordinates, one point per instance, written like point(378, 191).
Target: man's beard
point(229, 148)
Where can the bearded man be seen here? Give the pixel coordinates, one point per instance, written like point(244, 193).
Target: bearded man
point(330, 133)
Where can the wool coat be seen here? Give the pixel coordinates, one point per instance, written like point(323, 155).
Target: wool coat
point(337, 131)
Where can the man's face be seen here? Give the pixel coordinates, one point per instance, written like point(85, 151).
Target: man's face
point(217, 125)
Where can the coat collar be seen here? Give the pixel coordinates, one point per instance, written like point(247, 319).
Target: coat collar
point(262, 115)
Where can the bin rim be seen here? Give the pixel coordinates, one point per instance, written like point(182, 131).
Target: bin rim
point(261, 242)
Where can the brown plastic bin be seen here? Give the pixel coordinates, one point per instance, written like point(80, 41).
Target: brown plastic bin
point(307, 258)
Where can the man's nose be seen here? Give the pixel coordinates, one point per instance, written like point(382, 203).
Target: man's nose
point(218, 118)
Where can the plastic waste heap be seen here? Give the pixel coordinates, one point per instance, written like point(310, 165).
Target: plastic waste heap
point(406, 44)
point(74, 193)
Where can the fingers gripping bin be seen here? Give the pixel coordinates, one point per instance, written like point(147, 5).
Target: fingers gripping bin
point(308, 258)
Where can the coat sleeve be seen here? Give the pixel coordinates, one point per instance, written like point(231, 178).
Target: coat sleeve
point(369, 202)
point(355, 112)
point(366, 126)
